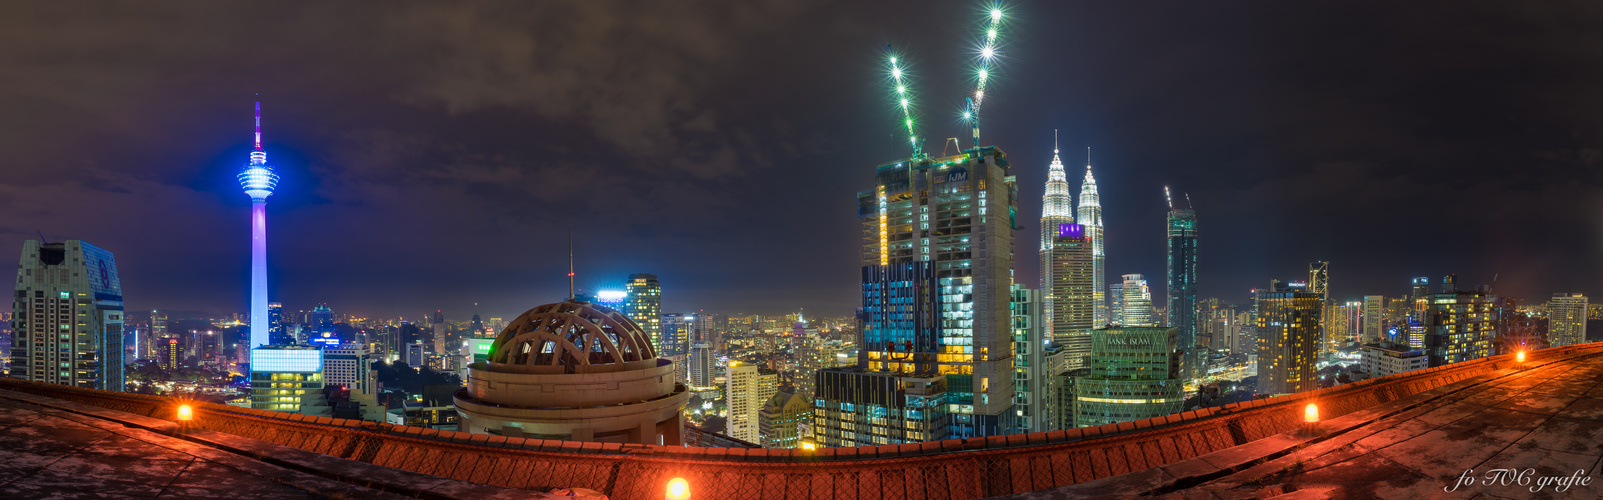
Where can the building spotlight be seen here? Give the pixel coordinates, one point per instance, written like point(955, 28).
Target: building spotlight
point(1310, 414)
point(185, 413)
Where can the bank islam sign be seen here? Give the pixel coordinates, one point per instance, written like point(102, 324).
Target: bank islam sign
point(1131, 341)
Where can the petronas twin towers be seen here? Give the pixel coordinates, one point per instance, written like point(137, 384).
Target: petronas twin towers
point(1058, 224)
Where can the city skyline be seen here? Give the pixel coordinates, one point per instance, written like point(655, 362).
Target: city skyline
point(388, 198)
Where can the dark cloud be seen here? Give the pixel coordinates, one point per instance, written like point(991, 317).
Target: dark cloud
point(434, 155)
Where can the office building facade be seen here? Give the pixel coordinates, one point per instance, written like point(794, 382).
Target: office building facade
point(747, 390)
point(1390, 358)
point(784, 420)
point(1134, 374)
point(645, 306)
point(1374, 314)
point(1459, 325)
point(1135, 304)
point(67, 322)
point(858, 407)
point(284, 377)
point(1029, 360)
point(702, 364)
point(1289, 335)
point(1072, 286)
point(1566, 319)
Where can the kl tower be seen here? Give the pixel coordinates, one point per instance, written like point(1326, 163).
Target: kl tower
point(258, 180)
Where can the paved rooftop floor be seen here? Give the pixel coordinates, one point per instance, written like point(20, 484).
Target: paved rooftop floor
point(1544, 422)
point(64, 450)
point(47, 453)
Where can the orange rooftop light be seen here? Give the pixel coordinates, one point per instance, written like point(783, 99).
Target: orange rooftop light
point(678, 489)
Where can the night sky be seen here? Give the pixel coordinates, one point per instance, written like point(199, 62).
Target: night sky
point(434, 155)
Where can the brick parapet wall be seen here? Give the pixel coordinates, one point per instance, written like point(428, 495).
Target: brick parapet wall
point(950, 469)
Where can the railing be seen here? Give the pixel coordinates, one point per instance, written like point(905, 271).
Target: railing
point(950, 469)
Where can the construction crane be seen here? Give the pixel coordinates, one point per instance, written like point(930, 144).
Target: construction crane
point(904, 98)
point(987, 54)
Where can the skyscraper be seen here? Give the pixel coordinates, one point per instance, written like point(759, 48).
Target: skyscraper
point(749, 388)
point(158, 334)
point(1374, 319)
point(1566, 313)
point(1136, 305)
point(276, 333)
point(937, 261)
point(320, 320)
point(1134, 375)
point(812, 351)
point(67, 322)
point(1319, 282)
point(258, 180)
point(676, 342)
point(1288, 337)
point(1091, 218)
point(1030, 368)
point(1459, 325)
point(645, 306)
point(1073, 307)
point(1115, 303)
point(1182, 286)
point(438, 324)
point(1057, 209)
point(701, 364)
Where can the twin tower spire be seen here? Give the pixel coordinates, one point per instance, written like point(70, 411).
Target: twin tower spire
point(1057, 206)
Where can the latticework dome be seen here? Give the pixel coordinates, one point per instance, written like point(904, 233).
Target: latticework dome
point(571, 334)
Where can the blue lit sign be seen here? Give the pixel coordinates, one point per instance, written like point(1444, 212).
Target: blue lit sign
point(275, 360)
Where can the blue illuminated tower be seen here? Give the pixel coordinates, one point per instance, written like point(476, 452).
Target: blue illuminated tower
point(258, 180)
point(1182, 289)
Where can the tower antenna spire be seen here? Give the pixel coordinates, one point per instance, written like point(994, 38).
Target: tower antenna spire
point(1168, 199)
point(258, 122)
point(570, 262)
point(1188, 202)
point(1054, 141)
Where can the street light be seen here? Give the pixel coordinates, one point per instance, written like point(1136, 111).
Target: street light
point(185, 413)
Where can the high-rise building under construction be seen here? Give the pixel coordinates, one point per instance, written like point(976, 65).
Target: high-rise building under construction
point(937, 261)
point(1182, 287)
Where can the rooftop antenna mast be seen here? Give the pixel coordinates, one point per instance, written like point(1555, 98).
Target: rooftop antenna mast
point(904, 98)
point(1188, 202)
point(1168, 199)
point(570, 263)
point(983, 73)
